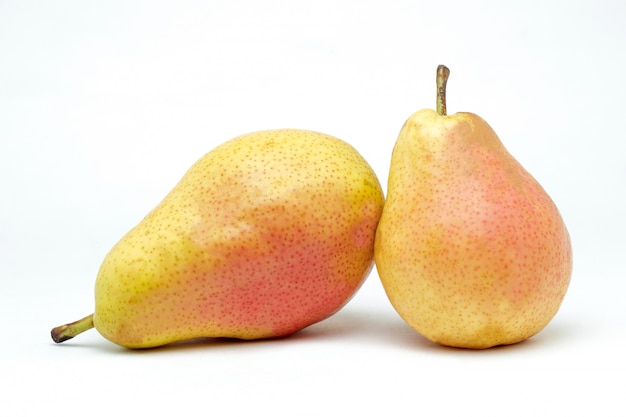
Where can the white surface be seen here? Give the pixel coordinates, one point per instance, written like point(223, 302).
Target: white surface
point(104, 105)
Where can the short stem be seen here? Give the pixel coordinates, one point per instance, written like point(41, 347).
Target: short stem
point(442, 78)
point(67, 331)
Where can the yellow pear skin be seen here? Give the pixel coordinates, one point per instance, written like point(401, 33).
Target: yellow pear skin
point(265, 235)
point(470, 249)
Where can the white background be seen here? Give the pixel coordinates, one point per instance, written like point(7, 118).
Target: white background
point(105, 104)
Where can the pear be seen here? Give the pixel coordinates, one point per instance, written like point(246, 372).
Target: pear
point(265, 235)
point(470, 249)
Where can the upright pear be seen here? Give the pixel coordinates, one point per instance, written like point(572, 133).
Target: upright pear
point(265, 235)
point(470, 249)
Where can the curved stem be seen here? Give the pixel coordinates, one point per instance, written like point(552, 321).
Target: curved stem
point(67, 331)
point(442, 78)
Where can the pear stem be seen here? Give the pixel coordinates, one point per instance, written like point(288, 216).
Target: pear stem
point(442, 78)
point(67, 331)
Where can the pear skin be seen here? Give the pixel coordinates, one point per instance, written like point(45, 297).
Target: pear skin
point(265, 235)
point(470, 249)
